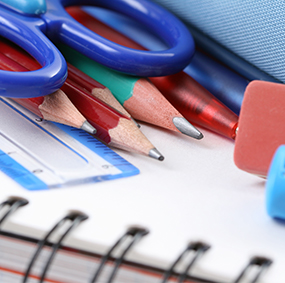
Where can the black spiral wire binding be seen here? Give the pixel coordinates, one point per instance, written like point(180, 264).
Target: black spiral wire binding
point(75, 218)
point(261, 263)
point(13, 203)
point(135, 234)
point(198, 248)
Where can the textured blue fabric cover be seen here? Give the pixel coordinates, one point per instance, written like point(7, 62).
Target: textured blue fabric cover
point(252, 29)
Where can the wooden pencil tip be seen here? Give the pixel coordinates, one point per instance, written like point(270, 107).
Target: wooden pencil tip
point(136, 123)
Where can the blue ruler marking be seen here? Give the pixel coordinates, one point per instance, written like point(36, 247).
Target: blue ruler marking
point(19, 173)
point(103, 151)
point(30, 181)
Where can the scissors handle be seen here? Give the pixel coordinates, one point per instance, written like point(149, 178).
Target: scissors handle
point(27, 32)
point(123, 59)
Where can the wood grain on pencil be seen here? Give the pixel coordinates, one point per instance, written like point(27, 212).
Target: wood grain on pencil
point(95, 88)
point(113, 128)
point(192, 100)
point(138, 95)
point(145, 103)
point(54, 107)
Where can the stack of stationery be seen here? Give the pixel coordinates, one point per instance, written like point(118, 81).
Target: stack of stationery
point(224, 83)
point(194, 102)
point(196, 217)
point(54, 107)
point(111, 126)
point(138, 96)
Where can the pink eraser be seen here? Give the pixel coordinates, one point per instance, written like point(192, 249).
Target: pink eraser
point(261, 127)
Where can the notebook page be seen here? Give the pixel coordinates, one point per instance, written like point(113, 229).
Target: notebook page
point(196, 193)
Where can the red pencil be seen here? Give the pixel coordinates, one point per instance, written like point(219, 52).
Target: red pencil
point(95, 88)
point(191, 99)
point(54, 107)
point(113, 128)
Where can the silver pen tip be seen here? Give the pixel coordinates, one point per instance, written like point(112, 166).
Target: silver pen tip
point(87, 127)
point(154, 153)
point(187, 128)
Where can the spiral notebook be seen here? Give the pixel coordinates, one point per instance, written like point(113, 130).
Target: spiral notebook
point(195, 217)
point(195, 205)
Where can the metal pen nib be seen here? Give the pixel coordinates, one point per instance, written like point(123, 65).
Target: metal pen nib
point(187, 128)
point(87, 127)
point(154, 153)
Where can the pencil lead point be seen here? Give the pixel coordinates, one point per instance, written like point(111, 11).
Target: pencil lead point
point(154, 153)
point(187, 128)
point(137, 124)
point(87, 127)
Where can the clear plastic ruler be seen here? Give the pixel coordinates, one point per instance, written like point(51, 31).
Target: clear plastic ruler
point(41, 155)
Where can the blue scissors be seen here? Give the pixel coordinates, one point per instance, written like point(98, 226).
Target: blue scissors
point(32, 24)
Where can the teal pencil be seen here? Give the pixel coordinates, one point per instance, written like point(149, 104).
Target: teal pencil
point(139, 96)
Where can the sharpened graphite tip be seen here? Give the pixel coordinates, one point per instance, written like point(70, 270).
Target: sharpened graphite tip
point(187, 128)
point(137, 124)
point(87, 127)
point(154, 153)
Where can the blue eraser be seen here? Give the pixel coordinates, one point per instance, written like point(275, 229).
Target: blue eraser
point(275, 185)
